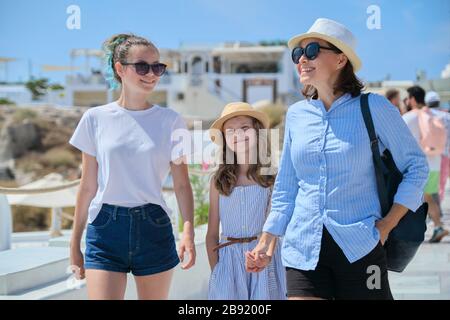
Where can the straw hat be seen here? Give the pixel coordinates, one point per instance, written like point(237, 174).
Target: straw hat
point(235, 109)
point(334, 33)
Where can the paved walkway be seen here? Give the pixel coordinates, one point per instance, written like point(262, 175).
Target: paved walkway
point(428, 275)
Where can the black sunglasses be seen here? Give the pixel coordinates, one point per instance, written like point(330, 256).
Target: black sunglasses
point(142, 68)
point(311, 51)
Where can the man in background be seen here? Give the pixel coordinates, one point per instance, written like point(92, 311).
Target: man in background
point(439, 119)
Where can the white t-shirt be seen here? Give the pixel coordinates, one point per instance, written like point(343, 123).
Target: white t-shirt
point(133, 150)
point(412, 121)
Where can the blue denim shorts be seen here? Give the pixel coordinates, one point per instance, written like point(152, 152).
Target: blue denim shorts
point(138, 240)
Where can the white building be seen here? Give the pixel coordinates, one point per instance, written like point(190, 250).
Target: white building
point(16, 93)
point(200, 80)
point(441, 86)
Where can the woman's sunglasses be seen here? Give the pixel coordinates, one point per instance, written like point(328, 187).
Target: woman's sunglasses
point(311, 51)
point(142, 68)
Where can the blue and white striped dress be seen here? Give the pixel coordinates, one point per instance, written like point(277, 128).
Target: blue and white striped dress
point(242, 214)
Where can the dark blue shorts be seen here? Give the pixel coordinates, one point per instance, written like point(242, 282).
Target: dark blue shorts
point(138, 239)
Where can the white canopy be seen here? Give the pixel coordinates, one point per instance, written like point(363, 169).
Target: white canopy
point(56, 199)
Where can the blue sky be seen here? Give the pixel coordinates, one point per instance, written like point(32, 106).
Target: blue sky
point(414, 34)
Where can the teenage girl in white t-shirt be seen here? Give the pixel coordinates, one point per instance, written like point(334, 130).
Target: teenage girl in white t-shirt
point(126, 155)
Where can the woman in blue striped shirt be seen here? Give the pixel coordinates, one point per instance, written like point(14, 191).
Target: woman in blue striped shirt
point(325, 199)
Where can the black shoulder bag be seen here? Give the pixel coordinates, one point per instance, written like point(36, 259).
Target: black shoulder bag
point(405, 239)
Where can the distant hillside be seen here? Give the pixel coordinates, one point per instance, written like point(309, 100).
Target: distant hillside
point(33, 143)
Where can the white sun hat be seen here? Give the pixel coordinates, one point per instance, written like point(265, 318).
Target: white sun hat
point(334, 33)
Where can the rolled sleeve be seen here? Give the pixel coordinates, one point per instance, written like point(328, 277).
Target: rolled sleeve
point(285, 190)
point(409, 196)
point(276, 223)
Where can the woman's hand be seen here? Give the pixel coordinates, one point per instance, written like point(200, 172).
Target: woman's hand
point(77, 263)
point(384, 228)
point(259, 258)
point(390, 221)
point(187, 245)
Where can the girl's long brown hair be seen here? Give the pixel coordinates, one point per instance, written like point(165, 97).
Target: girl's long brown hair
point(225, 178)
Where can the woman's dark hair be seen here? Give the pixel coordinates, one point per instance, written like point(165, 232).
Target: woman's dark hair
point(347, 81)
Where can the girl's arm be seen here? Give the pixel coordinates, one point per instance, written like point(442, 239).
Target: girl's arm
point(212, 236)
point(185, 200)
point(86, 192)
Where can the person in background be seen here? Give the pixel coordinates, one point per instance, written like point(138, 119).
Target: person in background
point(406, 104)
point(436, 124)
point(393, 95)
point(433, 101)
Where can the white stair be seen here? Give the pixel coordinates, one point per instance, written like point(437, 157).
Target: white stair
point(39, 273)
point(24, 268)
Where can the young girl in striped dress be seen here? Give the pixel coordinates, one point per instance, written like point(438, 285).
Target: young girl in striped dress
point(239, 202)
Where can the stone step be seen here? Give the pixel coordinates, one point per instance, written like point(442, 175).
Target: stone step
point(40, 274)
point(60, 290)
point(22, 269)
point(64, 241)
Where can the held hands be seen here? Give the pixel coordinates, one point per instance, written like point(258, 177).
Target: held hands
point(258, 258)
point(256, 263)
point(187, 245)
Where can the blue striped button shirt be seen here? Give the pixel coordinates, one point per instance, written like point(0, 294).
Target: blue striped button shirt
point(327, 178)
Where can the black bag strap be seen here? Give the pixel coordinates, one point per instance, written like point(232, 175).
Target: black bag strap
point(378, 164)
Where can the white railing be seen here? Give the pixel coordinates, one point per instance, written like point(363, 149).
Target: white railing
point(5, 223)
point(6, 215)
point(58, 214)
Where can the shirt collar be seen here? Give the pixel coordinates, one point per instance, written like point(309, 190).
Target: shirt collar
point(339, 101)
